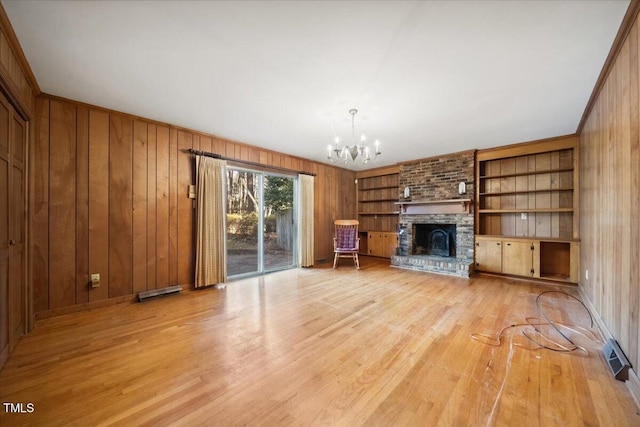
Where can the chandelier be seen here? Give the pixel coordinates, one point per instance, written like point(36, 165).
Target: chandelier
point(350, 152)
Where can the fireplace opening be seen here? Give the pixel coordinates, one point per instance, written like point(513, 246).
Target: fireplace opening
point(434, 239)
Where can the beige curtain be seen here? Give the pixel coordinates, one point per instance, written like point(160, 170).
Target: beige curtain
point(305, 232)
point(211, 263)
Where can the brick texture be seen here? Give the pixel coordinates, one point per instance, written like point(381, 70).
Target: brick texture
point(437, 179)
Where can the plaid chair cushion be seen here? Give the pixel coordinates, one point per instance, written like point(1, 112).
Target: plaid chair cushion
point(346, 239)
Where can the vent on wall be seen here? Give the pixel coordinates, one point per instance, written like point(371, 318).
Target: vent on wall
point(616, 360)
point(145, 295)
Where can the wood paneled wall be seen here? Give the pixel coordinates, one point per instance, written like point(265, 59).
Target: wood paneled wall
point(610, 199)
point(110, 197)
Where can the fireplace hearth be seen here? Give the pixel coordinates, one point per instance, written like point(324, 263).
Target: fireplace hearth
point(434, 239)
point(436, 243)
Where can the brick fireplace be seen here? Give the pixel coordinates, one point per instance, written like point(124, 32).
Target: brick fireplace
point(437, 223)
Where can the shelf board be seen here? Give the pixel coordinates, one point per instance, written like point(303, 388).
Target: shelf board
point(537, 238)
point(498, 211)
point(379, 213)
point(378, 188)
point(377, 200)
point(540, 172)
point(561, 277)
point(503, 193)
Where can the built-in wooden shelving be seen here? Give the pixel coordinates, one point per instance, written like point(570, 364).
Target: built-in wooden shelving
point(546, 239)
point(526, 210)
point(526, 173)
point(533, 210)
point(506, 193)
point(377, 192)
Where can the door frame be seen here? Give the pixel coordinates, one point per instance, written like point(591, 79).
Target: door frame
point(260, 193)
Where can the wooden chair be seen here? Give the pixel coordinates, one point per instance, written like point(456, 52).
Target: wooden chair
point(346, 242)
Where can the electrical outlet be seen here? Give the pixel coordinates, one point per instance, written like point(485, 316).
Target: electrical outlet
point(95, 280)
point(523, 215)
point(586, 274)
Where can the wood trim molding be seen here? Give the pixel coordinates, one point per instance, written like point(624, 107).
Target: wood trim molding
point(633, 384)
point(12, 93)
point(530, 147)
point(125, 299)
point(131, 299)
point(627, 22)
point(383, 170)
point(7, 29)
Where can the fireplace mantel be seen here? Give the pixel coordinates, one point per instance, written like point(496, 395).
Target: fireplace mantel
point(448, 206)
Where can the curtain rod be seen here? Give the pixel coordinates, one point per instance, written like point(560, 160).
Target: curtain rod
point(245, 162)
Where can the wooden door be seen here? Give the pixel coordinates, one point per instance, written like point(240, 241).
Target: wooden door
point(13, 297)
point(489, 255)
point(17, 221)
point(517, 258)
point(5, 172)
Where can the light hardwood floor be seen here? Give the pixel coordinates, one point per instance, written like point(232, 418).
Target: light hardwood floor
point(378, 346)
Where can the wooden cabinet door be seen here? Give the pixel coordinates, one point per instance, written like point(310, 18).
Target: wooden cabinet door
point(364, 242)
point(517, 258)
point(390, 243)
point(489, 255)
point(382, 244)
point(375, 243)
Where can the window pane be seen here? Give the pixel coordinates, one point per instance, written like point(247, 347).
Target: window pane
point(242, 222)
point(279, 227)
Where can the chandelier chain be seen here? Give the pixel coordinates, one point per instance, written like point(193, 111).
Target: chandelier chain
point(353, 125)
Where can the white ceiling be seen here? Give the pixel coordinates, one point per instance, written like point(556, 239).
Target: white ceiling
point(429, 77)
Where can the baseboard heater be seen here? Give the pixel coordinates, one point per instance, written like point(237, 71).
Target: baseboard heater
point(145, 295)
point(616, 360)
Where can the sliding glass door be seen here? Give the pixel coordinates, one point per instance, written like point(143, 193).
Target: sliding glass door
point(261, 226)
point(242, 222)
point(279, 224)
